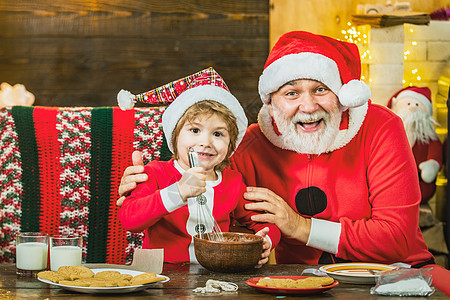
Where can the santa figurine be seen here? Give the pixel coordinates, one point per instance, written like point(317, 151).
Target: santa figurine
point(413, 105)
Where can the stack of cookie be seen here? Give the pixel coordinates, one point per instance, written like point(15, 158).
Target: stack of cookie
point(85, 277)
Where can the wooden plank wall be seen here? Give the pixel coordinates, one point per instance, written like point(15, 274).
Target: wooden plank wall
point(82, 52)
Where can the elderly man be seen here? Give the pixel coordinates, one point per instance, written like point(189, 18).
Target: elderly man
point(332, 170)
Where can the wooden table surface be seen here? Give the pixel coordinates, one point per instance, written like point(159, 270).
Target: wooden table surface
point(183, 279)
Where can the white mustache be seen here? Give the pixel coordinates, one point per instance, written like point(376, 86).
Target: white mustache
point(307, 118)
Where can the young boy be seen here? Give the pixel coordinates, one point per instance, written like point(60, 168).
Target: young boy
point(208, 119)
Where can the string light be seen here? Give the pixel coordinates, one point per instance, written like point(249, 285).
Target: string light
point(405, 54)
point(415, 73)
point(359, 35)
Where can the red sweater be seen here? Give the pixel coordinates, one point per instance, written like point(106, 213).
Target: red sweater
point(156, 208)
point(369, 185)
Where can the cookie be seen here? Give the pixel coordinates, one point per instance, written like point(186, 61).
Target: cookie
point(304, 283)
point(113, 275)
point(74, 283)
point(51, 276)
point(145, 278)
point(319, 280)
point(75, 272)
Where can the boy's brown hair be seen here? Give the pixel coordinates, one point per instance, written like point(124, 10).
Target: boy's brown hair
point(208, 108)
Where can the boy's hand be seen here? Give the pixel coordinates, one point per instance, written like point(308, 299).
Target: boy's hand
point(192, 183)
point(266, 247)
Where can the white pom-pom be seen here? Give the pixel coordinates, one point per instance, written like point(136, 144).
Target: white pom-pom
point(125, 100)
point(354, 93)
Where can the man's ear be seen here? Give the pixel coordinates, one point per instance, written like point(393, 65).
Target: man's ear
point(269, 105)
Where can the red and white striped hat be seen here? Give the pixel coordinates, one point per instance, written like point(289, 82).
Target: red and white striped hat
point(182, 94)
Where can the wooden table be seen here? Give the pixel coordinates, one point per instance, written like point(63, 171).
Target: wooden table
point(183, 279)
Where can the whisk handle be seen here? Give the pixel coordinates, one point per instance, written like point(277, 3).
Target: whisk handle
point(193, 158)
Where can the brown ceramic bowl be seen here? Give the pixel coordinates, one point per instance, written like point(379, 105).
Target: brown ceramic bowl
point(238, 252)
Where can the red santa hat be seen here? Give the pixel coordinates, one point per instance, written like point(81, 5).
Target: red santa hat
point(303, 55)
point(422, 94)
point(182, 94)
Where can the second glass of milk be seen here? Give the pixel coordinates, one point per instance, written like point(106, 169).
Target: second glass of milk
point(65, 250)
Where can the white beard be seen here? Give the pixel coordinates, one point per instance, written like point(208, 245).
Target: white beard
point(317, 142)
point(419, 126)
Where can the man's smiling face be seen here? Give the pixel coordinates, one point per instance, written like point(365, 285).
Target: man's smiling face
point(307, 114)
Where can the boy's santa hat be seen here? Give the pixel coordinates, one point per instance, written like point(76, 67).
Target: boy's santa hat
point(303, 55)
point(182, 94)
point(422, 94)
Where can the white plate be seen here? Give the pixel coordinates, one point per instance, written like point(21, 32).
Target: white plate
point(359, 273)
point(104, 290)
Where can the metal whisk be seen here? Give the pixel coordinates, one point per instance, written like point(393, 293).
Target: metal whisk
point(207, 226)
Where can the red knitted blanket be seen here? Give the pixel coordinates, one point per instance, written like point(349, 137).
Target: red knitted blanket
point(60, 169)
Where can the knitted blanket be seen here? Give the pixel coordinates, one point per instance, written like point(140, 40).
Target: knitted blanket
point(60, 169)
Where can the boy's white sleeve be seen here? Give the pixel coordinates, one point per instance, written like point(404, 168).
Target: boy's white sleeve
point(171, 198)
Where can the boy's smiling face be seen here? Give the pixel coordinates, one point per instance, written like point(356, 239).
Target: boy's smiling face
point(208, 135)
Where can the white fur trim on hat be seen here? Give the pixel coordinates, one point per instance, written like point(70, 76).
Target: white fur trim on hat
point(424, 100)
point(309, 65)
point(125, 100)
point(305, 65)
point(193, 95)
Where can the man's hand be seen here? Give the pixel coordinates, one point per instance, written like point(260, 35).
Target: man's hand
point(273, 209)
point(131, 177)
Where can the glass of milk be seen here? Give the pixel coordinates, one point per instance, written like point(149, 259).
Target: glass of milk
point(65, 250)
point(31, 253)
